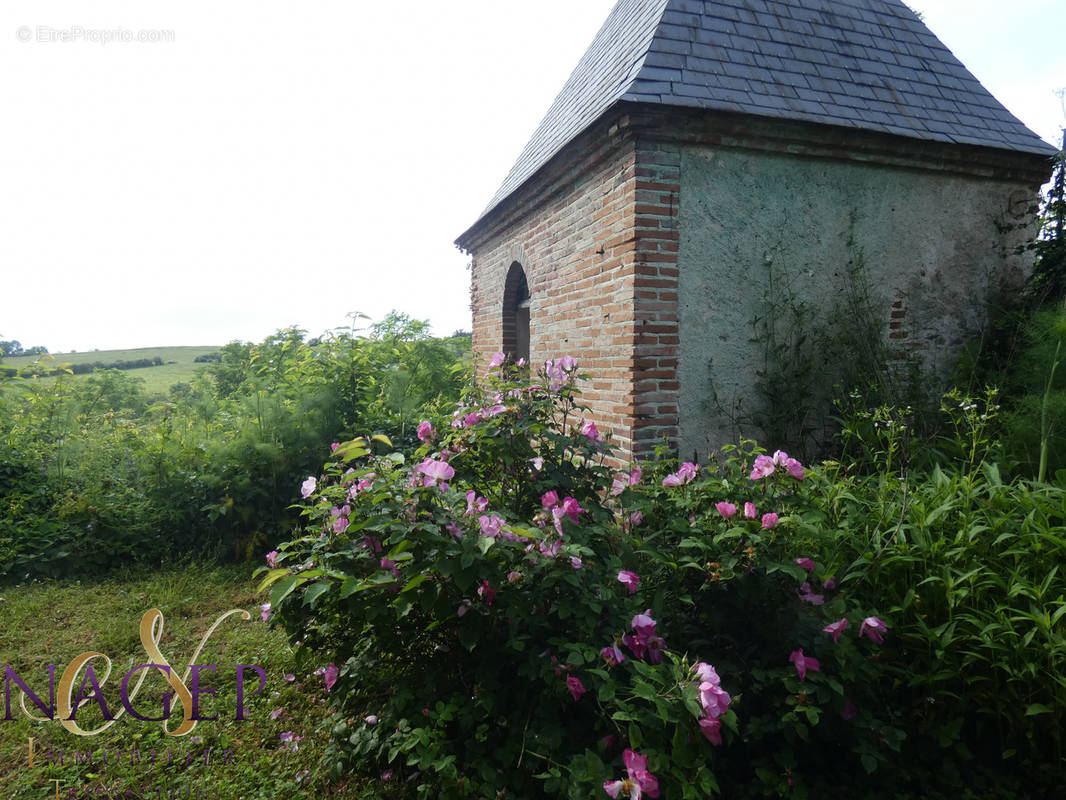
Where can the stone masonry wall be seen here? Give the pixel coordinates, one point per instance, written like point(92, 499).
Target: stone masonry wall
point(767, 234)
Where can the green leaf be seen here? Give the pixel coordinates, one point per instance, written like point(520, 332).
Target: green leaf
point(485, 543)
point(636, 738)
point(315, 591)
point(418, 580)
point(271, 577)
point(284, 587)
point(1037, 708)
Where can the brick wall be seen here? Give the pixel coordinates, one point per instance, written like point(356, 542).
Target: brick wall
point(571, 232)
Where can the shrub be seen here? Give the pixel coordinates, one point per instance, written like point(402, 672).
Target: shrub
point(510, 616)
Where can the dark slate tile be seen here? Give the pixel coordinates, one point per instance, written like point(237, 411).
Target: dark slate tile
point(672, 17)
point(716, 37)
point(652, 73)
point(661, 59)
point(673, 46)
point(680, 33)
point(774, 49)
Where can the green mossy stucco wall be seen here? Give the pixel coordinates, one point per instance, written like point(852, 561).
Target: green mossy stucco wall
point(932, 242)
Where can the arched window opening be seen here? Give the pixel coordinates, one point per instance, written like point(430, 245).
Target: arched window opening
point(516, 302)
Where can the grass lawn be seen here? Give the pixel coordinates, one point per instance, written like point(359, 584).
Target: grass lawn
point(178, 363)
point(52, 623)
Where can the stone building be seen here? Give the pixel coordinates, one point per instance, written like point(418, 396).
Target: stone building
point(724, 188)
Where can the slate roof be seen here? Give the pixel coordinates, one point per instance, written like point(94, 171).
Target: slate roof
point(868, 64)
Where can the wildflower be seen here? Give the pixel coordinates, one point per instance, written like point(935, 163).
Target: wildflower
point(514, 577)
point(829, 583)
point(589, 430)
point(272, 559)
point(629, 579)
point(390, 565)
point(612, 654)
point(435, 472)
point(340, 524)
point(872, 628)
point(264, 611)
point(639, 781)
point(706, 673)
point(549, 499)
point(575, 687)
point(289, 677)
point(364, 483)
point(549, 549)
point(726, 509)
point(769, 521)
point(834, 629)
point(749, 511)
point(685, 474)
point(572, 509)
point(486, 592)
point(330, 675)
point(805, 564)
point(475, 504)
point(645, 642)
point(277, 712)
point(496, 360)
point(538, 463)
point(714, 699)
point(808, 596)
point(762, 468)
point(711, 728)
point(636, 518)
point(425, 432)
point(791, 465)
point(575, 562)
point(471, 419)
point(643, 623)
point(307, 488)
point(333, 446)
point(803, 663)
point(371, 720)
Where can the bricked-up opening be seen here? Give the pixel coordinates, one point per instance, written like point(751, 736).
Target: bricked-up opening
point(516, 314)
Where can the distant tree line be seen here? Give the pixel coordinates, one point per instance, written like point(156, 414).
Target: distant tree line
point(14, 347)
point(87, 366)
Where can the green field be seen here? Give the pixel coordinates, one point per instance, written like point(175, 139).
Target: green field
point(178, 363)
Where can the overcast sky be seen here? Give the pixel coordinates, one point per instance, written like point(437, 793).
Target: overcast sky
point(285, 163)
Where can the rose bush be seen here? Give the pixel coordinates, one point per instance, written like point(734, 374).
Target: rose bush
point(519, 619)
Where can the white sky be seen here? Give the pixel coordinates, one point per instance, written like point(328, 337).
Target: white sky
point(286, 162)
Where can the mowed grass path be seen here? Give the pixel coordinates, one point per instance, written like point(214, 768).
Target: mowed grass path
point(178, 363)
point(52, 623)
